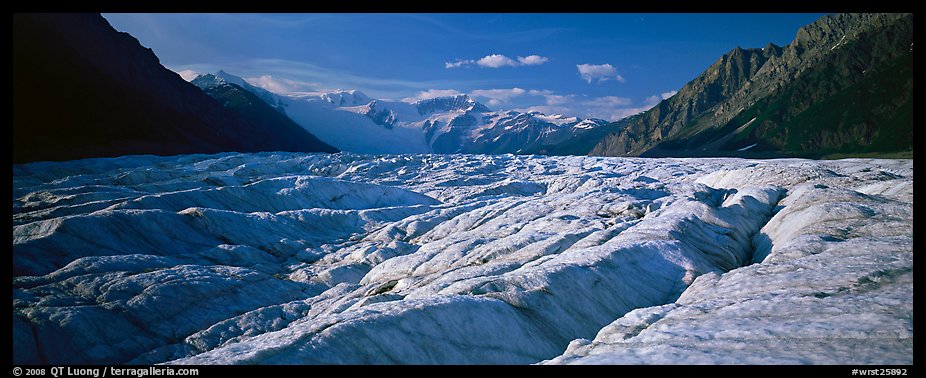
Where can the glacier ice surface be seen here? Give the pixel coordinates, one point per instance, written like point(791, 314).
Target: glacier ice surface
point(281, 258)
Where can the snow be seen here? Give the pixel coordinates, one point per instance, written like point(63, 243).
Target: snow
point(282, 258)
point(748, 147)
point(350, 130)
point(588, 124)
point(354, 122)
point(832, 284)
point(745, 125)
point(557, 119)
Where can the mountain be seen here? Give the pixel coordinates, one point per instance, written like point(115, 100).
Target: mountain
point(256, 110)
point(81, 89)
point(348, 120)
point(579, 141)
point(844, 86)
point(352, 121)
point(449, 103)
point(459, 124)
point(526, 133)
point(271, 99)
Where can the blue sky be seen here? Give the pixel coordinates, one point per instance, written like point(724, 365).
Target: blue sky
point(588, 65)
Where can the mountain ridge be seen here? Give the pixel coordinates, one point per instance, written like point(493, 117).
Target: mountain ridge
point(82, 89)
point(827, 59)
point(256, 107)
point(352, 121)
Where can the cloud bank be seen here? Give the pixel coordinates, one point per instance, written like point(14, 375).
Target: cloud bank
point(498, 96)
point(280, 85)
point(188, 75)
point(498, 61)
point(611, 108)
point(432, 93)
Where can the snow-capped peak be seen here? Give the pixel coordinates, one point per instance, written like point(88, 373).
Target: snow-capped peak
point(208, 81)
point(589, 123)
point(221, 77)
point(227, 77)
point(460, 102)
point(352, 121)
point(342, 97)
point(556, 119)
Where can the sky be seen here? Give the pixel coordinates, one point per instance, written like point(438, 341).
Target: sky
point(605, 66)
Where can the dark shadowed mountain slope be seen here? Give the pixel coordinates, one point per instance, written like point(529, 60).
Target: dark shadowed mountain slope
point(82, 89)
point(254, 109)
point(844, 86)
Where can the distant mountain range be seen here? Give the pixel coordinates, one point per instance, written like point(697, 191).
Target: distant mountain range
point(352, 121)
point(81, 89)
point(843, 87)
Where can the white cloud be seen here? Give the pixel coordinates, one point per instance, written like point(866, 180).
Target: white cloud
point(498, 96)
point(547, 109)
point(627, 112)
point(269, 83)
point(558, 99)
point(532, 60)
point(606, 107)
point(599, 72)
point(188, 75)
point(496, 61)
point(501, 94)
point(548, 102)
point(648, 104)
point(610, 108)
point(281, 86)
point(551, 98)
point(655, 99)
point(652, 100)
point(458, 63)
point(432, 93)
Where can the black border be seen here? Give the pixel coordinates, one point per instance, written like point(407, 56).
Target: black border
point(457, 6)
point(467, 6)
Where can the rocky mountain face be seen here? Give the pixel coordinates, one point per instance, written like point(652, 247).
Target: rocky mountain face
point(81, 89)
point(843, 86)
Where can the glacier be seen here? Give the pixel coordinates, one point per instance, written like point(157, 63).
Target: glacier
point(290, 258)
